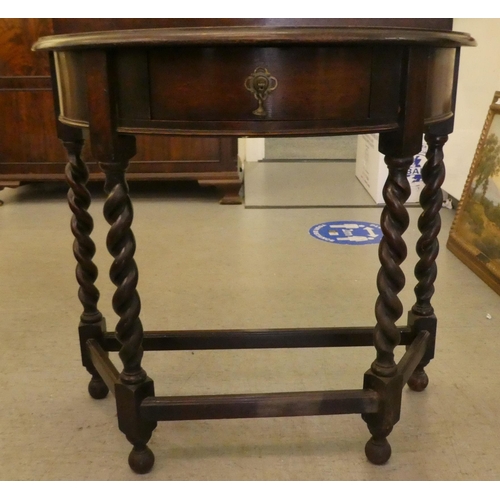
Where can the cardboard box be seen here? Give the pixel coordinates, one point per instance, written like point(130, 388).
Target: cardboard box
point(371, 169)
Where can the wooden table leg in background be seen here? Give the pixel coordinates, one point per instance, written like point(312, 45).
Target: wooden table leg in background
point(422, 315)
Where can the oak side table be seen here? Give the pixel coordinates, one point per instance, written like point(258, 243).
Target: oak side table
point(262, 81)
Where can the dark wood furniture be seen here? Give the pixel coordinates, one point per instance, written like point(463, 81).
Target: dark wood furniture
point(30, 151)
point(265, 81)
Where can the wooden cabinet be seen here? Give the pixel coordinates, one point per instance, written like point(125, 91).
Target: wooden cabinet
point(30, 150)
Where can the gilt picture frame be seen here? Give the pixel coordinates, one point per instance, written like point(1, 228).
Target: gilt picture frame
point(475, 233)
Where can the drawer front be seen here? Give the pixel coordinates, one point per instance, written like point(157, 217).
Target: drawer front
point(220, 84)
point(213, 91)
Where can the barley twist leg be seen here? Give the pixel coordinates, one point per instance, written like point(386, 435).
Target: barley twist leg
point(392, 252)
point(429, 224)
point(382, 376)
point(118, 212)
point(82, 225)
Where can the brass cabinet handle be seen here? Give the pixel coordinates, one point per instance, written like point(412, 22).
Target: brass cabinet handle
point(261, 84)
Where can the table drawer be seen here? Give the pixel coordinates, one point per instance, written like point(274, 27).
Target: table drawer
point(306, 83)
point(214, 90)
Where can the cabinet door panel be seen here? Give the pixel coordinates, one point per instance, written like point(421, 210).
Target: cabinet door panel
point(30, 133)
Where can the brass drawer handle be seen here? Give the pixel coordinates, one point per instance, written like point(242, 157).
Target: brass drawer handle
point(261, 84)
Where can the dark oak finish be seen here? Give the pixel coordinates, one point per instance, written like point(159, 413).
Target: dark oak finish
point(307, 80)
point(30, 151)
point(100, 359)
point(92, 25)
point(254, 36)
point(286, 404)
point(256, 339)
point(302, 94)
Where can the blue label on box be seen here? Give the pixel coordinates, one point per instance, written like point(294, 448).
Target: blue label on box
point(415, 171)
point(347, 232)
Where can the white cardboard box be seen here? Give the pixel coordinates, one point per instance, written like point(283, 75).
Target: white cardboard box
point(371, 169)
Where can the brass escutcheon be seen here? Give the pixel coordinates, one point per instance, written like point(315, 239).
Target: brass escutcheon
point(261, 84)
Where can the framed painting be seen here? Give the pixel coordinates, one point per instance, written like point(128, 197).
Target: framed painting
point(475, 233)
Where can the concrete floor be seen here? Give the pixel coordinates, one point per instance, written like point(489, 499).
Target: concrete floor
point(203, 265)
point(304, 184)
point(340, 147)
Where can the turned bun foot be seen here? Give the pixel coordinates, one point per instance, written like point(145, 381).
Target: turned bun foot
point(418, 380)
point(378, 451)
point(141, 459)
point(98, 389)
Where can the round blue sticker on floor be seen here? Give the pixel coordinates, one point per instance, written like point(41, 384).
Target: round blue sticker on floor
point(347, 232)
